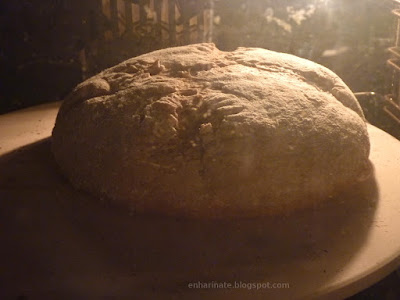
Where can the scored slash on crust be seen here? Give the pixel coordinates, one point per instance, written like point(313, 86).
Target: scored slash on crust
point(224, 105)
point(172, 115)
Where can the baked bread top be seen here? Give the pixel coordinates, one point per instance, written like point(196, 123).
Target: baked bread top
point(198, 132)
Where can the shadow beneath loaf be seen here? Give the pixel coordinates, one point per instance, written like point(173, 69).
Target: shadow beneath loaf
point(63, 243)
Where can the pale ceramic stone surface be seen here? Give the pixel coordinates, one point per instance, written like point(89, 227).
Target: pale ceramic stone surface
point(61, 243)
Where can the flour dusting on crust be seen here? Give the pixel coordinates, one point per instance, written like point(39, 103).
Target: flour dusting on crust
point(195, 131)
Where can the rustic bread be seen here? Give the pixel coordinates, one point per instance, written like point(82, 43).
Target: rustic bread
point(195, 131)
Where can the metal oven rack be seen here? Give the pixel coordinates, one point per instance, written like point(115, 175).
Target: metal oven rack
point(380, 110)
point(392, 101)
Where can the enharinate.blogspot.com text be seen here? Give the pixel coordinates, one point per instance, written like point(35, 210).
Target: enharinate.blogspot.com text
point(238, 285)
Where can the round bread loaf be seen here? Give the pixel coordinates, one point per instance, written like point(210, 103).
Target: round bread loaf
point(198, 132)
